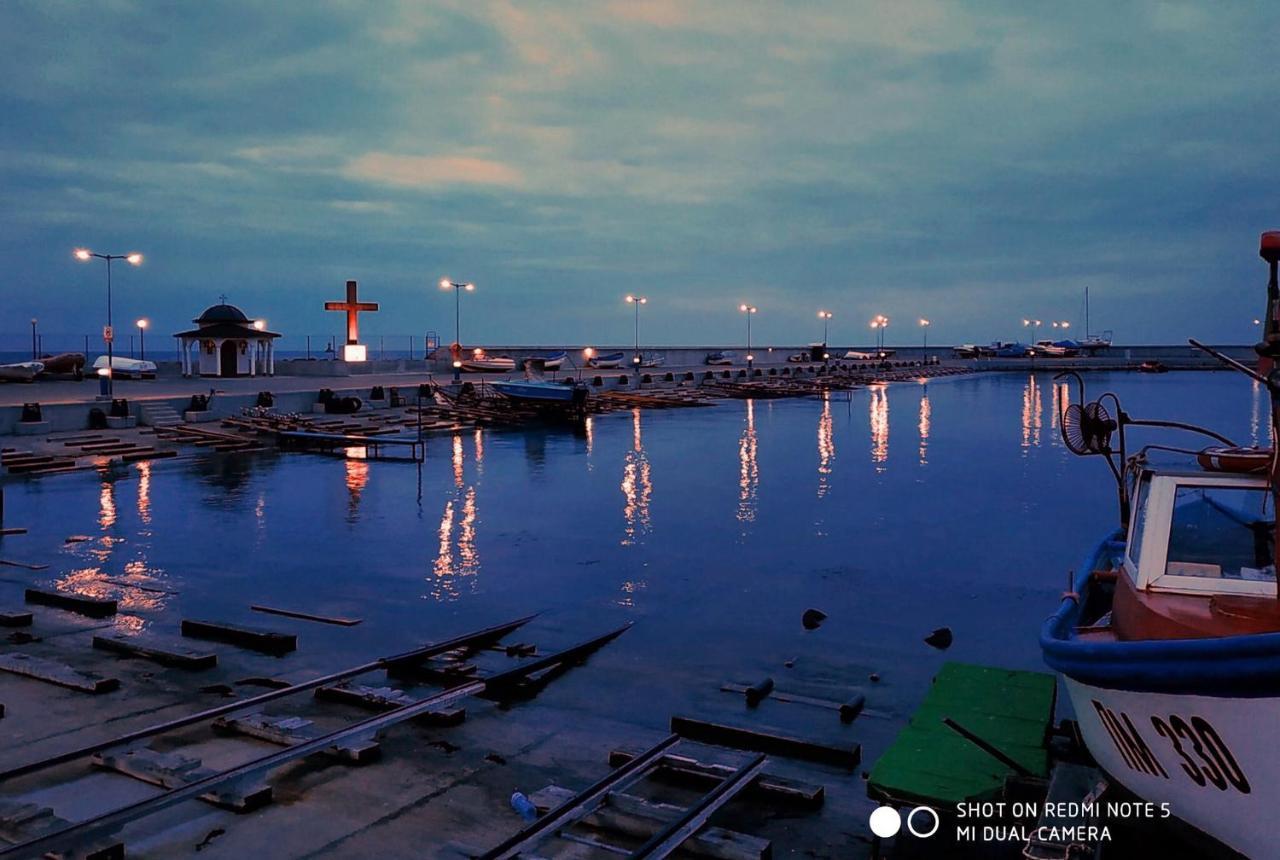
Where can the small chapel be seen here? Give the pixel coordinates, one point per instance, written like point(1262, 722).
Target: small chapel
point(230, 344)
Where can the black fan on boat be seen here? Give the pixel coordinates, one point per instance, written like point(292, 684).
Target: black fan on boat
point(1087, 429)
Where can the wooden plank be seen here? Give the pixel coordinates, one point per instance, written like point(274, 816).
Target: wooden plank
point(93, 607)
point(56, 673)
point(14, 618)
point(639, 818)
point(689, 771)
point(307, 616)
point(148, 455)
point(8, 562)
point(174, 770)
point(164, 650)
point(767, 742)
point(255, 638)
point(848, 710)
point(21, 821)
point(285, 730)
point(387, 699)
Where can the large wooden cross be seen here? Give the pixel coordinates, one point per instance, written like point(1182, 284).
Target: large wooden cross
point(353, 307)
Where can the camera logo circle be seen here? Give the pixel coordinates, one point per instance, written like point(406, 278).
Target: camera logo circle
point(911, 822)
point(885, 821)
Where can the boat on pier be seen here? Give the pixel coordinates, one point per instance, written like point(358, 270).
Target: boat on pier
point(608, 361)
point(1169, 637)
point(481, 362)
point(22, 371)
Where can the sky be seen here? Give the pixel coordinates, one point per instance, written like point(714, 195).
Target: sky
point(971, 163)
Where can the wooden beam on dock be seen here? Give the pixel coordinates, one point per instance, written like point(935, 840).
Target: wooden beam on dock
point(171, 770)
point(59, 674)
point(768, 742)
point(14, 618)
point(164, 650)
point(254, 638)
point(93, 607)
point(697, 774)
point(307, 616)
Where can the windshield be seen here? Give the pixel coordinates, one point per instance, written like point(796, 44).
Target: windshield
point(1222, 533)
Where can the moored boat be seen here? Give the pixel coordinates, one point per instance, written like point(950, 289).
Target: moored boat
point(64, 362)
point(719, 358)
point(541, 391)
point(607, 361)
point(22, 371)
point(551, 360)
point(481, 362)
point(1169, 639)
point(1152, 366)
point(127, 367)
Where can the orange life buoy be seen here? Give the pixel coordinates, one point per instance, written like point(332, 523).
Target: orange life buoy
point(1222, 459)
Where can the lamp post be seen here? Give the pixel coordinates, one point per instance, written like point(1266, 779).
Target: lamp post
point(457, 287)
point(750, 311)
point(878, 325)
point(142, 339)
point(34, 348)
point(825, 316)
point(84, 255)
point(924, 329)
point(637, 301)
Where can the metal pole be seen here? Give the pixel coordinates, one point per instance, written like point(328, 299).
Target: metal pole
point(457, 328)
point(111, 368)
point(750, 357)
point(308, 347)
point(34, 353)
point(142, 343)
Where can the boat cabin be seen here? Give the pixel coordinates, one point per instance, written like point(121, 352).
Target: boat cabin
point(1202, 533)
point(1199, 561)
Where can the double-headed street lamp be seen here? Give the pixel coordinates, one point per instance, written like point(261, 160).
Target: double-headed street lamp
point(825, 316)
point(456, 351)
point(142, 339)
point(750, 311)
point(637, 301)
point(84, 255)
point(878, 325)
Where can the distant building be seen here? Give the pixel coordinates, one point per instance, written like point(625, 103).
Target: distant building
point(230, 344)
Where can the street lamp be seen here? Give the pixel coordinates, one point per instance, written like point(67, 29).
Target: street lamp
point(924, 328)
point(879, 324)
point(825, 316)
point(750, 311)
point(34, 348)
point(457, 288)
point(1034, 325)
point(142, 339)
point(84, 255)
point(637, 301)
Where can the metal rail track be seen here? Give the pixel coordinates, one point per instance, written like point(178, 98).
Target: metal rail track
point(108, 822)
point(478, 637)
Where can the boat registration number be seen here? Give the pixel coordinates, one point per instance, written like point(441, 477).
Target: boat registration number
point(1199, 750)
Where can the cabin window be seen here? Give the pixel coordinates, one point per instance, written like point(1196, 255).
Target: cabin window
point(1222, 533)
point(1139, 526)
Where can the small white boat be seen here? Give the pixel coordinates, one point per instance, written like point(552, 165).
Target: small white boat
point(127, 367)
point(653, 359)
point(482, 363)
point(854, 355)
point(720, 358)
point(23, 371)
point(609, 361)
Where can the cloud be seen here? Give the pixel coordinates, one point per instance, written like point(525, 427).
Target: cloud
point(417, 171)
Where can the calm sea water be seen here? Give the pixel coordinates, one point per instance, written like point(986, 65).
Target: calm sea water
point(895, 510)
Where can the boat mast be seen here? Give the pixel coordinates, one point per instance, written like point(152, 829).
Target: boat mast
point(1269, 350)
point(1086, 313)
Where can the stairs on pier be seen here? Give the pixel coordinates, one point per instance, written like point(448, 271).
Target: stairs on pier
point(158, 415)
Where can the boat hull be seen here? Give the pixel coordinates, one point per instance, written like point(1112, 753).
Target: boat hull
point(536, 393)
point(25, 371)
point(1211, 759)
point(488, 366)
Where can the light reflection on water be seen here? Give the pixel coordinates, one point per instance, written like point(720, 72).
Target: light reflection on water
point(721, 507)
point(748, 467)
point(637, 487)
point(878, 406)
